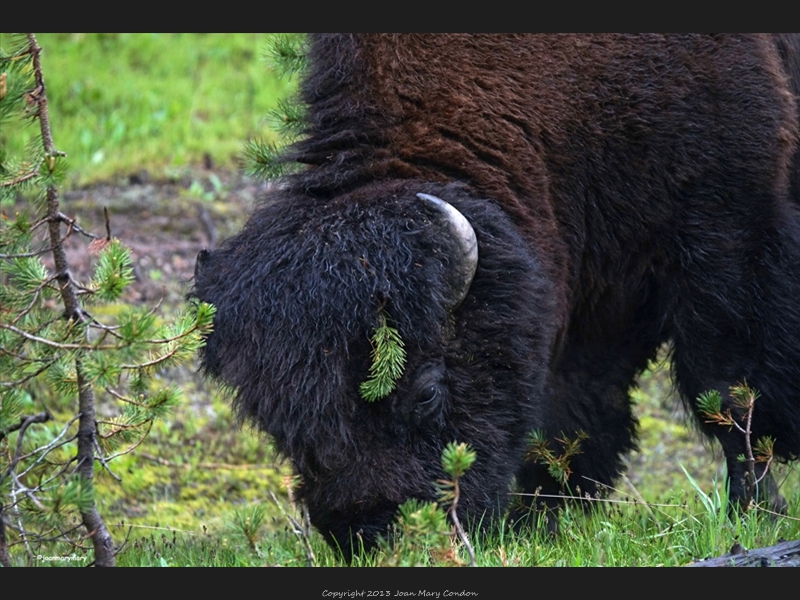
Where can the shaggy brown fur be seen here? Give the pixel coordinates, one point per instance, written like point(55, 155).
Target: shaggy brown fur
point(626, 191)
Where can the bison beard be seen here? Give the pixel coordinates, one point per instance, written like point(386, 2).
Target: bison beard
point(626, 191)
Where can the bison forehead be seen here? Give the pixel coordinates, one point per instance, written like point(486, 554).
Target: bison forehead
point(337, 269)
point(298, 294)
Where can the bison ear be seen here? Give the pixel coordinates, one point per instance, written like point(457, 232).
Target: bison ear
point(201, 262)
point(463, 268)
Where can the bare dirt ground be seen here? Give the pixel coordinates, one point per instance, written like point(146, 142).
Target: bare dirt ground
point(200, 463)
point(164, 223)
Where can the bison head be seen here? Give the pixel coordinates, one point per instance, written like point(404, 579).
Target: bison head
point(299, 293)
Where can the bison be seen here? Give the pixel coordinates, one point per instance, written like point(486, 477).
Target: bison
point(535, 216)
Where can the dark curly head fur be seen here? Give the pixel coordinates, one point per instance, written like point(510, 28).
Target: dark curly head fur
point(301, 314)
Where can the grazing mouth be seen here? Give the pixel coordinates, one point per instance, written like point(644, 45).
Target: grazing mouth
point(353, 532)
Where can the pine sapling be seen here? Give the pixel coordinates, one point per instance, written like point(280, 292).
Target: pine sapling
point(58, 356)
point(456, 460)
point(558, 465)
point(743, 404)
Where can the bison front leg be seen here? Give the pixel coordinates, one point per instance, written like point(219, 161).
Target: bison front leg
point(591, 430)
point(590, 424)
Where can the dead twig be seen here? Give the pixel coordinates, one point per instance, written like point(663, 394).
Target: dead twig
point(23, 424)
point(21, 427)
point(299, 531)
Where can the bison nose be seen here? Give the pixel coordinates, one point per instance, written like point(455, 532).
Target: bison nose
point(354, 532)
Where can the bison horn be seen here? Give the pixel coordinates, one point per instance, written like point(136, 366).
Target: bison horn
point(464, 268)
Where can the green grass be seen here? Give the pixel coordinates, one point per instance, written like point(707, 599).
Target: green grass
point(684, 519)
point(212, 524)
point(687, 529)
point(121, 103)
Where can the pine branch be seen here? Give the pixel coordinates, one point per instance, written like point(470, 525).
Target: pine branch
point(263, 160)
point(388, 361)
point(22, 178)
point(287, 53)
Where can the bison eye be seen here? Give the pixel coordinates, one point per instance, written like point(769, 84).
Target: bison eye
point(428, 395)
